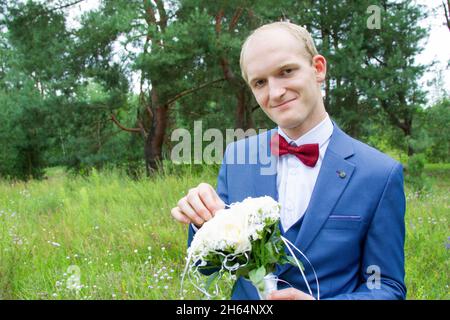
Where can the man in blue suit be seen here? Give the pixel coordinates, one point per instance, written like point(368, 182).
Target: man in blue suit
point(343, 202)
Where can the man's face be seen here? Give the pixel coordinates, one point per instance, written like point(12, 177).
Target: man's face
point(284, 82)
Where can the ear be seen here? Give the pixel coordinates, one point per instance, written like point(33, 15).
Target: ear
point(320, 64)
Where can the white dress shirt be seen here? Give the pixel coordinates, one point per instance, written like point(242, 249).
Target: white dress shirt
point(295, 180)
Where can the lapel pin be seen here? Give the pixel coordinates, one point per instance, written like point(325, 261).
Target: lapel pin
point(341, 174)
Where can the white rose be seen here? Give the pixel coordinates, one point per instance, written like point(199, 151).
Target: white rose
point(228, 228)
point(235, 227)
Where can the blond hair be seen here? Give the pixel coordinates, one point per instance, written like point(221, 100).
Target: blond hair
point(300, 33)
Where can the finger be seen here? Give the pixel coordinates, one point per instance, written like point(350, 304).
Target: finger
point(219, 204)
point(188, 211)
point(211, 201)
point(287, 294)
point(210, 198)
point(179, 216)
point(197, 204)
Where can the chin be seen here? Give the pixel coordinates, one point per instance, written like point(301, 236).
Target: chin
point(289, 123)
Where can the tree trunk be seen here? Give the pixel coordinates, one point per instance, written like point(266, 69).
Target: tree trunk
point(249, 112)
point(243, 112)
point(240, 109)
point(156, 133)
point(410, 150)
point(407, 130)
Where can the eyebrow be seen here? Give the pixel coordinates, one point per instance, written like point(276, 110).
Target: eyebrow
point(280, 67)
point(286, 65)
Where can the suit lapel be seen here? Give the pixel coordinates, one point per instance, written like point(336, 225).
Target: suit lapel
point(330, 184)
point(265, 170)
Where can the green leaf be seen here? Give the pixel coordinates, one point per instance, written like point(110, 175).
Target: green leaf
point(291, 260)
point(257, 277)
point(271, 256)
point(211, 279)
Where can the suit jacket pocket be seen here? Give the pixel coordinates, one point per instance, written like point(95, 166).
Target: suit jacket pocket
point(338, 221)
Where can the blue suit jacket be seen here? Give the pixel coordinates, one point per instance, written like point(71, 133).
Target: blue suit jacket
point(353, 229)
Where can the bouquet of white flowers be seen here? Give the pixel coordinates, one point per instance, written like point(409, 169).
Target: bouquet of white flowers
point(243, 240)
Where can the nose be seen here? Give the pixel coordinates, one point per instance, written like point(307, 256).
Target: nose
point(276, 91)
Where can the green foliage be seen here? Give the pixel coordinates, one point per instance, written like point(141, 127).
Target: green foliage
point(415, 176)
point(128, 56)
point(437, 129)
point(23, 135)
point(431, 132)
point(34, 36)
point(39, 36)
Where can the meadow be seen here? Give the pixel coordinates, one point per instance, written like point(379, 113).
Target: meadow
point(117, 236)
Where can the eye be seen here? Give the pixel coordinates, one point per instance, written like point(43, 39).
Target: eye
point(287, 71)
point(259, 83)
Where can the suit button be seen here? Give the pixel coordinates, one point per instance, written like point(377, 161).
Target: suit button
point(341, 174)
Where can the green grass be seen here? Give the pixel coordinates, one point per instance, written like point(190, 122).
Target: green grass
point(428, 237)
point(117, 231)
point(119, 236)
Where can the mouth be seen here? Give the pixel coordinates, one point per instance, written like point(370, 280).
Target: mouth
point(284, 103)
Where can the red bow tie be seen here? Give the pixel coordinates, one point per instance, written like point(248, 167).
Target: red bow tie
point(307, 153)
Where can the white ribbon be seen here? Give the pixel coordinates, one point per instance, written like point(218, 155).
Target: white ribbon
point(190, 264)
point(288, 245)
point(236, 266)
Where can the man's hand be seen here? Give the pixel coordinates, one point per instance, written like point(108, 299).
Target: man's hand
point(289, 294)
point(198, 206)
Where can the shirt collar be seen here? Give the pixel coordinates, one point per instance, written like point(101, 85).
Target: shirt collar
point(319, 134)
